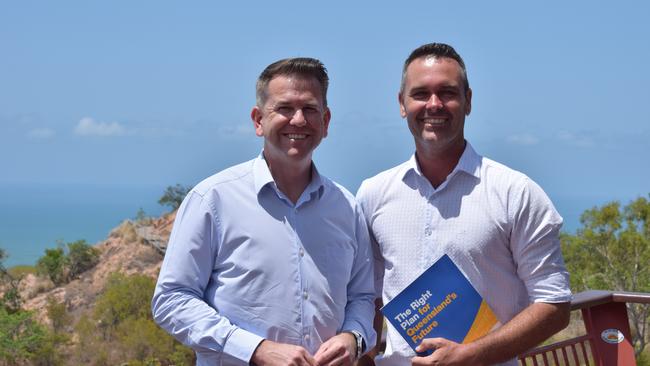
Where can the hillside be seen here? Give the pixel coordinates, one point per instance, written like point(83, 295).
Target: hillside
point(131, 248)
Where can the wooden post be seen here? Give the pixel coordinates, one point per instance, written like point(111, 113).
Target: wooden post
point(609, 328)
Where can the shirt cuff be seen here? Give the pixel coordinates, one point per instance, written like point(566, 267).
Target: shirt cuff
point(241, 344)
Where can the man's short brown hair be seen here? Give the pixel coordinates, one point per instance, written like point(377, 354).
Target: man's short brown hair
point(305, 67)
point(435, 50)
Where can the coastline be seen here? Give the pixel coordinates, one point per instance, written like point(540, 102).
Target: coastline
point(34, 217)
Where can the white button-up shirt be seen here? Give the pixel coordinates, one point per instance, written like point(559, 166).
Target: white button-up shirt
point(244, 263)
point(495, 223)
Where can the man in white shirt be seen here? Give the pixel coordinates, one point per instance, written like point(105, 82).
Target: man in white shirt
point(269, 262)
point(495, 223)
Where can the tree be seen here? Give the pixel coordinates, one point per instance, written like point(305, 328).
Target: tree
point(81, 257)
point(52, 265)
point(21, 337)
point(611, 252)
point(142, 218)
point(67, 261)
point(173, 196)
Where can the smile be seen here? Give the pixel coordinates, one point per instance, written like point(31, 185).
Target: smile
point(434, 121)
point(296, 136)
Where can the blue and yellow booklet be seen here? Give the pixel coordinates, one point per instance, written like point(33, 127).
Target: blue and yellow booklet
point(441, 302)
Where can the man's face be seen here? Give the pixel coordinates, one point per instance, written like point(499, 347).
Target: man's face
point(293, 119)
point(434, 102)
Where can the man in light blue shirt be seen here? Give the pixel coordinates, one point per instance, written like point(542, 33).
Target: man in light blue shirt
point(269, 262)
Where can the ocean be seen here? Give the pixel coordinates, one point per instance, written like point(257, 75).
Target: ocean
point(36, 217)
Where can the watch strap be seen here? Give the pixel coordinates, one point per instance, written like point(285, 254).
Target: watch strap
point(360, 342)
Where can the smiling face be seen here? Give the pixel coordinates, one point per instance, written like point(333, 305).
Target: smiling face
point(435, 102)
point(293, 119)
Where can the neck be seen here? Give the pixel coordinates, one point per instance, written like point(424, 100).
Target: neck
point(436, 165)
point(291, 179)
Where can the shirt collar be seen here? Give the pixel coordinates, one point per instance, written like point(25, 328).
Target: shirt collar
point(469, 162)
point(262, 177)
point(261, 173)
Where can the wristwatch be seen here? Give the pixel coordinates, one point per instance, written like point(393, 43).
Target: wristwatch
point(360, 342)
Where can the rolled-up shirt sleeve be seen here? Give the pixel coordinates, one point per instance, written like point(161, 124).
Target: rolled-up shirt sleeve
point(536, 246)
point(178, 305)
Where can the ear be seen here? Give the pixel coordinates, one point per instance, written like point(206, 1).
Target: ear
point(256, 116)
point(468, 98)
point(400, 100)
point(326, 120)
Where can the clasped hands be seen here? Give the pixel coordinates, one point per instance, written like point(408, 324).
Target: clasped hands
point(339, 350)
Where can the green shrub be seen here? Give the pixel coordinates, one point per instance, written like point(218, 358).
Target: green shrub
point(90, 347)
point(121, 330)
point(81, 257)
point(21, 337)
point(52, 265)
point(58, 315)
point(67, 261)
point(143, 340)
point(50, 352)
point(125, 297)
point(11, 300)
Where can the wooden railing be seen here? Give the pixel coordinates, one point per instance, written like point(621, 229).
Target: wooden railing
point(608, 338)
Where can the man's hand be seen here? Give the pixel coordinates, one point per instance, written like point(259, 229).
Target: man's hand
point(338, 350)
point(445, 352)
point(531, 326)
point(270, 353)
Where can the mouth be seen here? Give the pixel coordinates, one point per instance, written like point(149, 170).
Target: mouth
point(433, 121)
point(296, 136)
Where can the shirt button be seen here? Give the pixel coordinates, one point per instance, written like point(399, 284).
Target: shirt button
point(428, 231)
point(306, 337)
point(302, 252)
point(305, 295)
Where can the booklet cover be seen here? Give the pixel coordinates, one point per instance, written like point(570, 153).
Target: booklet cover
point(441, 302)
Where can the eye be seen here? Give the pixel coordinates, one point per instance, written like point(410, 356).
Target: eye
point(420, 95)
point(284, 109)
point(448, 94)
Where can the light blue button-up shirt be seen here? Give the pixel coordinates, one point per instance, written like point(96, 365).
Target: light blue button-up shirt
point(245, 264)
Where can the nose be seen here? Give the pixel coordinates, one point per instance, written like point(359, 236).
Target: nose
point(434, 102)
point(298, 118)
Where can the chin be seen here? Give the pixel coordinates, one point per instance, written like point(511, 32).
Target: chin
point(429, 137)
point(298, 155)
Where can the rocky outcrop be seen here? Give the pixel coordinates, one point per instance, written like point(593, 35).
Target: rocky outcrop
point(156, 233)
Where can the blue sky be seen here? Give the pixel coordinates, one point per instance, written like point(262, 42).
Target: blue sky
point(152, 93)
